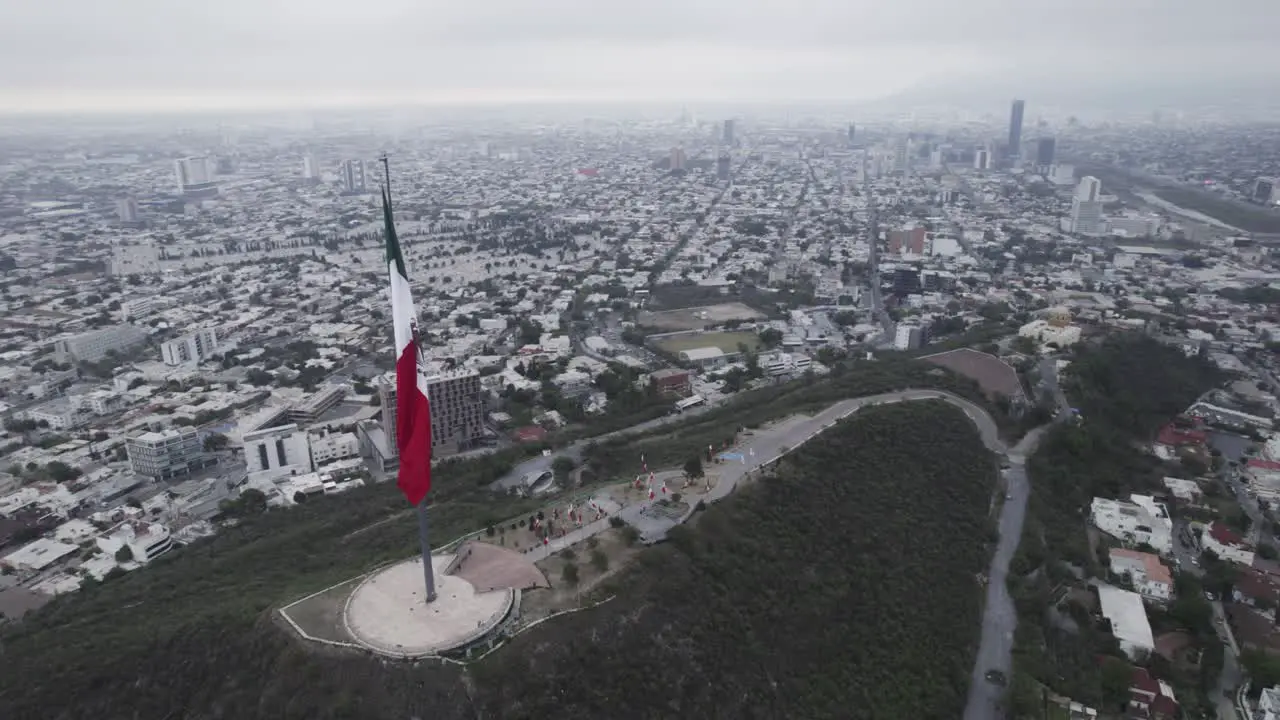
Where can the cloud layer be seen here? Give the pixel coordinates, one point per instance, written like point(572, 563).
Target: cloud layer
point(147, 54)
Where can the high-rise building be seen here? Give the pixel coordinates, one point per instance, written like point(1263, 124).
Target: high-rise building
point(310, 170)
point(1089, 189)
point(1015, 129)
point(195, 179)
point(127, 210)
point(728, 132)
point(852, 129)
point(353, 176)
point(192, 348)
point(678, 158)
point(723, 167)
point(1086, 207)
point(1046, 149)
point(166, 454)
point(457, 411)
point(1264, 190)
point(982, 159)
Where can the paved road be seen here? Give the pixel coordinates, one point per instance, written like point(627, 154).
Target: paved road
point(1232, 677)
point(1000, 618)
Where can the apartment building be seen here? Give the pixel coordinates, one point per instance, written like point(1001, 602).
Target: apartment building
point(166, 454)
point(194, 347)
point(94, 345)
point(457, 411)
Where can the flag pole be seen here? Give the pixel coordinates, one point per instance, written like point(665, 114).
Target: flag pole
point(424, 539)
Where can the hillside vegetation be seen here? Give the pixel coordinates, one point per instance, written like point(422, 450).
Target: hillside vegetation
point(191, 636)
point(1125, 389)
point(843, 586)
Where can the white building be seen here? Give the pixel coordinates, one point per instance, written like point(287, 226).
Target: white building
point(1046, 332)
point(1184, 490)
point(1150, 577)
point(195, 347)
point(1086, 207)
point(1141, 521)
point(1221, 541)
point(37, 555)
point(59, 413)
point(908, 336)
point(94, 345)
point(137, 308)
point(328, 447)
point(1129, 622)
point(278, 451)
point(704, 357)
point(193, 175)
point(1269, 704)
point(146, 541)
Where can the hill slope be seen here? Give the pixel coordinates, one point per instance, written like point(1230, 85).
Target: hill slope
point(843, 587)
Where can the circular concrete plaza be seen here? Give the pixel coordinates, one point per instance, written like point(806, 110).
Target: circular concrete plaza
point(386, 612)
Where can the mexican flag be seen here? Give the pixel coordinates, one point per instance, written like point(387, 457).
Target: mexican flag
point(413, 411)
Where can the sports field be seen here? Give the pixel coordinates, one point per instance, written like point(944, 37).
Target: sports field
point(696, 318)
point(726, 341)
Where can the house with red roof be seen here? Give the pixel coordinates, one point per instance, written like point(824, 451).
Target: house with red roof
point(1227, 544)
point(1151, 699)
point(1257, 589)
point(1177, 439)
point(1263, 477)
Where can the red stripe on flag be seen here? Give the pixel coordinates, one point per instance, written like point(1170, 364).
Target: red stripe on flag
point(413, 429)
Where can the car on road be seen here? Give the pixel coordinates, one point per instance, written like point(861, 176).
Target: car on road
point(1008, 496)
point(996, 677)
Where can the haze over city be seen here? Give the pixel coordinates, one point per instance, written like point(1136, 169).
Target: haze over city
point(150, 55)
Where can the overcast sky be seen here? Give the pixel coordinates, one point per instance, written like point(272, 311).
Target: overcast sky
point(183, 54)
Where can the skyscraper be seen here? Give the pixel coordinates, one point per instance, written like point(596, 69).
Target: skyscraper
point(723, 166)
point(852, 128)
point(353, 176)
point(194, 176)
point(728, 132)
point(1086, 207)
point(982, 159)
point(127, 209)
point(677, 158)
point(310, 170)
point(1015, 129)
point(1046, 148)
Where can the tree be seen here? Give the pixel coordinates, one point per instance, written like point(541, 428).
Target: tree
point(693, 467)
point(1117, 677)
point(215, 441)
point(570, 573)
point(62, 472)
point(124, 554)
point(599, 560)
point(771, 337)
point(562, 466)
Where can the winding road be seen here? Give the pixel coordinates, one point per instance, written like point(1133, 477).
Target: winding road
point(999, 620)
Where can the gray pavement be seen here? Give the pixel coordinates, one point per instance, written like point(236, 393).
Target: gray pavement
point(1000, 618)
